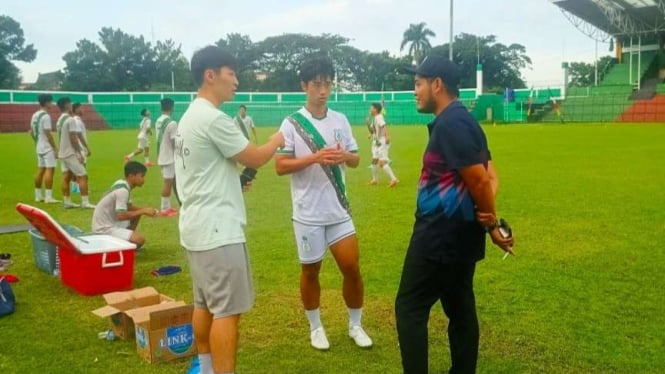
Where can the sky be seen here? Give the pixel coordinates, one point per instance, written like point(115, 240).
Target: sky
point(54, 27)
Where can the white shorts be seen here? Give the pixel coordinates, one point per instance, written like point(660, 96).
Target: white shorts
point(120, 230)
point(47, 160)
point(143, 143)
point(168, 171)
point(313, 241)
point(380, 152)
point(71, 163)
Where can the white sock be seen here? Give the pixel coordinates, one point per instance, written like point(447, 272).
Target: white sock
point(314, 317)
point(375, 172)
point(354, 316)
point(49, 194)
point(130, 155)
point(85, 200)
point(389, 171)
point(166, 203)
point(67, 199)
point(38, 193)
point(205, 363)
point(147, 159)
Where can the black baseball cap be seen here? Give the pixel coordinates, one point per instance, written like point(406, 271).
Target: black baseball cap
point(434, 66)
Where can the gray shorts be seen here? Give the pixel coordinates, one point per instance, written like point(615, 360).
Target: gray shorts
point(222, 280)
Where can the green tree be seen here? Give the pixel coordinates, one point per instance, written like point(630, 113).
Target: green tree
point(12, 48)
point(248, 55)
point(123, 62)
point(502, 64)
point(583, 74)
point(417, 37)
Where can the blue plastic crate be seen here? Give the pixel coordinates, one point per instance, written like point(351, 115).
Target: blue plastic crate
point(45, 253)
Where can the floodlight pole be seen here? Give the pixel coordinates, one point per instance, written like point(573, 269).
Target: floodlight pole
point(596, 64)
point(450, 49)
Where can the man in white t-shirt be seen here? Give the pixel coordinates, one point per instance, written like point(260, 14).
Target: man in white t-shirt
point(212, 216)
point(144, 139)
point(71, 156)
point(166, 128)
point(46, 149)
point(115, 214)
point(245, 122)
point(380, 145)
point(319, 145)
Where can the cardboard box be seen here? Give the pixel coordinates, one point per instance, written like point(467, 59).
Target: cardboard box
point(119, 303)
point(164, 332)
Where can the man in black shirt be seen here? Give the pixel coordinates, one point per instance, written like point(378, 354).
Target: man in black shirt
point(455, 208)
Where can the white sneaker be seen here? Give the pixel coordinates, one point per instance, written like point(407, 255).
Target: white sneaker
point(51, 201)
point(319, 340)
point(71, 205)
point(88, 206)
point(360, 337)
point(39, 199)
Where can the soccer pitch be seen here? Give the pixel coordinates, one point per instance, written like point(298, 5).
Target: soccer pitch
point(583, 295)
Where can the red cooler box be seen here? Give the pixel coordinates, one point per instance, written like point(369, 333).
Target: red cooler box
point(90, 264)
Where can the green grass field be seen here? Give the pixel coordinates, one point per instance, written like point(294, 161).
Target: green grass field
point(584, 294)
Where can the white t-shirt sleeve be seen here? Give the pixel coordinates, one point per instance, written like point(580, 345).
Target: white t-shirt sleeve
point(250, 121)
point(171, 130)
point(350, 142)
point(380, 121)
point(121, 200)
point(46, 123)
point(289, 133)
point(227, 137)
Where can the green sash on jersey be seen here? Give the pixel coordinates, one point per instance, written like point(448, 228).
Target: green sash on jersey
point(315, 142)
point(160, 136)
point(36, 126)
point(241, 124)
point(60, 123)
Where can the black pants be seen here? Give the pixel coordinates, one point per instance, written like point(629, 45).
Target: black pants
point(423, 283)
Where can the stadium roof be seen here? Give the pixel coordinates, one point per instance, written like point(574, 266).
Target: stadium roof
point(619, 18)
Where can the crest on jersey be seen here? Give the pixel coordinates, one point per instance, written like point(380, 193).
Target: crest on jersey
point(338, 135)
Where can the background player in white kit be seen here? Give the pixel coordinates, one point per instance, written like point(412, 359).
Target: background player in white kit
point(46, 149)
point(319, 144)
point(380, 145)
point(143, 138)
point(77, 108)
point(71, 156)
point(246, 122)
point(166, 129)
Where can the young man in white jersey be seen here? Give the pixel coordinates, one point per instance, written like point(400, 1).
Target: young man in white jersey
point(380, 145)
point(71, 156)
point(245, 122)
point(166, 128)
point(319, 145)
point(77, 108)
point(115, 214)
point(46, 149)
point(208, 147)
point(143, 138)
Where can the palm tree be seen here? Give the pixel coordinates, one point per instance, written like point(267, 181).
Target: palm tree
point(418, 36)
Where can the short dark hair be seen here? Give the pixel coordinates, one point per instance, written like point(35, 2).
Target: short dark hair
point(210, 57)
point(378, 107)
point(76, 106)
point(134, 167)
point(242, 106)
point(319, 66)
point(144, 111)
point(44, 99)
point(167, 104)
point(62, 102)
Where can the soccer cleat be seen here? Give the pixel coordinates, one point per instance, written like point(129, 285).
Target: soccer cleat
point(69, 205)
point(88, 206)
point(318, 339)
point(149, 164)
point(127, 158)
point(170, 212)
point(393, 183)
point(39, 199)
point(372, 182)
point(51, 201)
point(360, 337)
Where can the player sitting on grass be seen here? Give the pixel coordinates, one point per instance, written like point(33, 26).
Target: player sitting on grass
point(115, 214)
